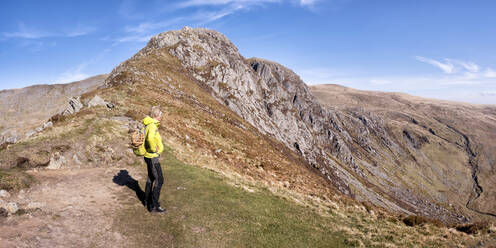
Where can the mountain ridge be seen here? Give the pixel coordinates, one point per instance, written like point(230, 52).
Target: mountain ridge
point(259, 127)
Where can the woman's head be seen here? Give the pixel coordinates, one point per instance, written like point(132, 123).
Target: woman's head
point(156, 113)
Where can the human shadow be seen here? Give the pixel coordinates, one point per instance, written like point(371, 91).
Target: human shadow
point(124, 179)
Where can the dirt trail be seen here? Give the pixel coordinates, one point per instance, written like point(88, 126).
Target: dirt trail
point(67, 208)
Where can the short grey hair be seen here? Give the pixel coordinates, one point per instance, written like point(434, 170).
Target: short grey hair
point(155, 111)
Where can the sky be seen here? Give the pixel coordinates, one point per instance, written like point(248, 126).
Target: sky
point(443, 49)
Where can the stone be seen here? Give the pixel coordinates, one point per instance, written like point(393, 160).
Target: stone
point(12, 207)
point(97, 101)
point(47, 124)
point(74, 106)
point(12, 139)
point(30, 133)
point(4, 194)
point(35, 205)
point(56, 162)
point(3, 212)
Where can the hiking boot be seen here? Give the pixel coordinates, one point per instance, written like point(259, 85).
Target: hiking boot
point(159, 210)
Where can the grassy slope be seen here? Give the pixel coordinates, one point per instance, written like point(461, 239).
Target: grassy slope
point(207, 210)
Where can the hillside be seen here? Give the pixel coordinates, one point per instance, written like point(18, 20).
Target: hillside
point(24, 110)
point(451, 143)
point(252, 160)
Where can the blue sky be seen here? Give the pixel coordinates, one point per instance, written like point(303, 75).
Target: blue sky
point(434, 48)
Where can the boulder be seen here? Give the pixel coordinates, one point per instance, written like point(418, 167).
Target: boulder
point(4, 194)
point(35, 205)
point(97, 101)
point(75, 106)
point(12, 207)
point(56, 161)
point(3, 212)
point(47, 124)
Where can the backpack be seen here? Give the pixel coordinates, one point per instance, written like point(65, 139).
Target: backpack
point(138, 142)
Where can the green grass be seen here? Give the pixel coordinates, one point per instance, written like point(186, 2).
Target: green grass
point(211, 213)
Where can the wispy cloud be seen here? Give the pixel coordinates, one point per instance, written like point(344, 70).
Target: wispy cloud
point(244, 3)
point(72, 75)
point(464, 72)
point(469, 66)
point(79, 30)
point(490, 73)
point(447, 67)
point(35, 46)
point(77, 73)
point(204, 17)
point(308, 2)
point(26, 32)
point(490, 93)
point(134, 38)
point(147, 27)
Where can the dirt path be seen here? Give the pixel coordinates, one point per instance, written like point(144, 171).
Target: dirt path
point(68, 208)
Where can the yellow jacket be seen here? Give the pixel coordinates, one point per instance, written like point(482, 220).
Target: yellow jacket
point(153, 141)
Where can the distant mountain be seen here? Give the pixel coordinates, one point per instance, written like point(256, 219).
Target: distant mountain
point(445, 149)
point(28, 108)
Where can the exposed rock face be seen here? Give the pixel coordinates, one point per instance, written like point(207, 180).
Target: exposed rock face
point(271, 98)
point(354, 148)
point(449, 143)
point(74, 106)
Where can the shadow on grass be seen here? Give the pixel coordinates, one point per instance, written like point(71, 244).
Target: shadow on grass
point(124, 179)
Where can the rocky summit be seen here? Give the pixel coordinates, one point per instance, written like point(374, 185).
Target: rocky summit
point(250, 148)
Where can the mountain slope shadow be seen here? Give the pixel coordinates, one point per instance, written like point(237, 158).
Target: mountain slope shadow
point(124, 179)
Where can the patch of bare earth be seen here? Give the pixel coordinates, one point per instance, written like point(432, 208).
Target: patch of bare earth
point(69, 208)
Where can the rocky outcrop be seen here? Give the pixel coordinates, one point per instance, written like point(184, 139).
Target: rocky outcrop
point(274, 100)
point(362, 152)
point(74, 106)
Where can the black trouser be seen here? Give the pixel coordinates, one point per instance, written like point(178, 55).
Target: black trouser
point(153, 183)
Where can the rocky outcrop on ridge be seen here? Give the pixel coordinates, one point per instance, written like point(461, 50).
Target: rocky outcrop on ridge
point(359, 150)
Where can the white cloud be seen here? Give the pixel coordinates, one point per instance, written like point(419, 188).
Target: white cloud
point(204, 17)
point(380, 81)
point(488, 93)
point(134, 38)
point(445, 67)
point(79, 30)
point(469, 66)
point(35, 45)
point(32, 33)
point(76, 73)
point(307, 2)
point(72, 75)
point(244, 3)
point(27, 33)
point(147, 27)
point(490, 73)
